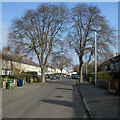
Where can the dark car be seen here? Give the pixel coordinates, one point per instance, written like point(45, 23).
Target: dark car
point(57, 77)
point(75, 76)
point(67, 75)
point(48, 75)
point(53, 78)
point(64, 75)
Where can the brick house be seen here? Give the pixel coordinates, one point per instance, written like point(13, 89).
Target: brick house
point(112, 64)
point(15, 64)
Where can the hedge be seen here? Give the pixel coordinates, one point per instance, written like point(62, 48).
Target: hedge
point(108, 75)
point(92, 76)
point(9, 76)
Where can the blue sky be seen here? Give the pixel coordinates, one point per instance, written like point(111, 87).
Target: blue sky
point(11, 10)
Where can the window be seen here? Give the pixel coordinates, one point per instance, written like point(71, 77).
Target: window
point(9, 72)
point(3, 72)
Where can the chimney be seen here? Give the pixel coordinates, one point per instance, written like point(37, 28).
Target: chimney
point(7, 49)
point(25, 56)
point(117, 54)
point(31, 58)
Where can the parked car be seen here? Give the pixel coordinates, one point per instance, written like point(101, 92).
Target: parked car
point(67, 75)
point(64, 75)
point(57, 77)
point(78, 76)
point(75, 76)
point(48, 75)
point(53, 77)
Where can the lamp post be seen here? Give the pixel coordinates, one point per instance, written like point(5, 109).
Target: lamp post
point(86, 69)
point(95, 58)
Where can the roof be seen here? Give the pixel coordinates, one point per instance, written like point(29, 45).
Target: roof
point(16, 58)
point(12, 57)
point(112, 60)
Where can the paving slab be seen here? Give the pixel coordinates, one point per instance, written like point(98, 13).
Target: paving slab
point(100, 103)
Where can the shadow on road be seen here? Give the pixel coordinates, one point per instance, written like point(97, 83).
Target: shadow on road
point(63, 89)
point(59, 96)
point(59, 102)
point(78, 112)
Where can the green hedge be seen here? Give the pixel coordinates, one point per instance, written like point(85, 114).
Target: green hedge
point(12, 77)
point(9, 76)
point(108, 75)
point(92, 76)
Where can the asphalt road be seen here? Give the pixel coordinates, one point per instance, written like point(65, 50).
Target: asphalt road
point(56, 99)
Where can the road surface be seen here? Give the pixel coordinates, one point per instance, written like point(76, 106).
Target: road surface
point(56, 99)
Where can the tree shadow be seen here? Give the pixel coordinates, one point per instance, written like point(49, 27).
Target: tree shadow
point(75, 104)
point(59, 96)
point(64, 89)
point(59, 102)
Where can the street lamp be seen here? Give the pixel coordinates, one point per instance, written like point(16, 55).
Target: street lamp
point(96, 54)
point(95, 58)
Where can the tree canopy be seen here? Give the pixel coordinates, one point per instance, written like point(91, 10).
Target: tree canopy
point(37, 31)
point(85, 20)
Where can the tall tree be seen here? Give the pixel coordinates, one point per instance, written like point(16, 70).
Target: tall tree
point(38, 32)
point(61, 61)
point(85, 21)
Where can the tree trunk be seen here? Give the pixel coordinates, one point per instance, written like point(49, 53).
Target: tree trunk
point(81, 75)
point(61, 74)
point(43, 74)
point(80, 70)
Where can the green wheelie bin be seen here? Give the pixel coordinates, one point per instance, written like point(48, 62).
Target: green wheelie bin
point(9, 85)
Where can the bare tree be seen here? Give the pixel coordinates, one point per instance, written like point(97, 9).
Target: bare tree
point(85, 20)
point(38, 32)
point(61, 61)
point(76, 68)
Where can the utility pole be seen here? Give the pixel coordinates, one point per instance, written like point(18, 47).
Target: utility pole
point(86, 71)
point(95, 59)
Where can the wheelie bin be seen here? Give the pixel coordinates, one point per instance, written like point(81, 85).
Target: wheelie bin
point(20, 82)
point(9, 84)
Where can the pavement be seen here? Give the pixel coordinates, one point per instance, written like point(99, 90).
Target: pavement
point(56, 99)
point(100, 103)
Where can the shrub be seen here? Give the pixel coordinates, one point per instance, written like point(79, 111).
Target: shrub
point(90, 76)
point(108, 75)
point(8, 76)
